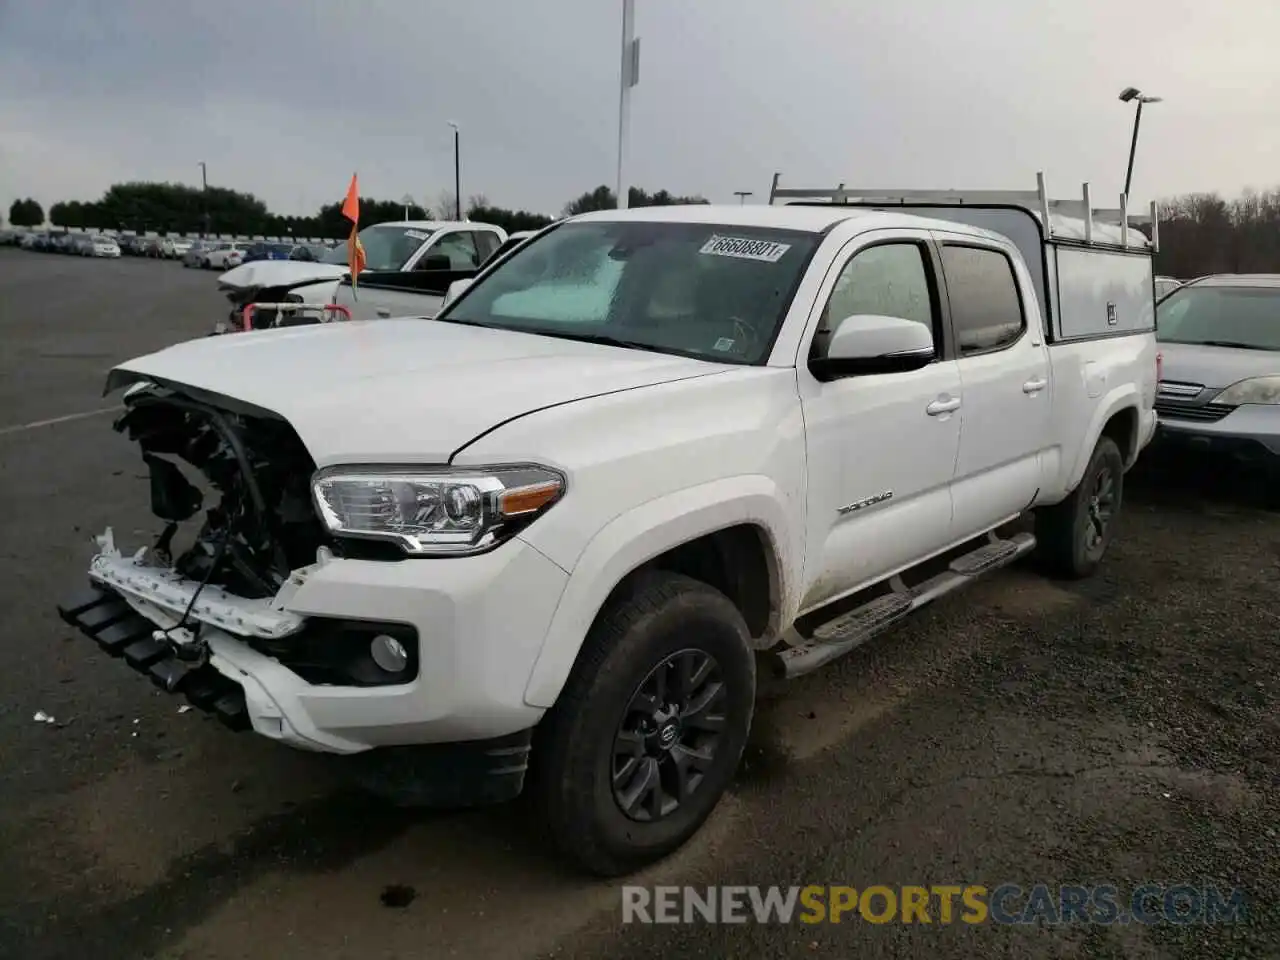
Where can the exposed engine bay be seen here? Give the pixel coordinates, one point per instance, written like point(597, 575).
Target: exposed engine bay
point(261, 525)
point(268, 315)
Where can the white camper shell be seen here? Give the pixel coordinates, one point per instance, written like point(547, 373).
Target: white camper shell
point(1092, 267)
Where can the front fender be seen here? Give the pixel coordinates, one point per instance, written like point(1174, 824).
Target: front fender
point(639, 535)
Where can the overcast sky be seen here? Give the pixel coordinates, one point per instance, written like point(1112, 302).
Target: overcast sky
point(285, 98)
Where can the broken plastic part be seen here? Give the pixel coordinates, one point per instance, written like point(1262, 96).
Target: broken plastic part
point(173, 497)
point(162, 596)
point(262, 525)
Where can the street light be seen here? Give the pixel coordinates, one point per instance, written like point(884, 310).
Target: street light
point(629, 76)
point(1126, 95)
point(407, 201)
point(742, 195)
point(457, 172)
point(204, 198)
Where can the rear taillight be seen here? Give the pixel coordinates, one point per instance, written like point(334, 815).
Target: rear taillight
point(1159, 367)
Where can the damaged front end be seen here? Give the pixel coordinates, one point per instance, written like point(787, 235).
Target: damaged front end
point(262, 526)
point(204, 609)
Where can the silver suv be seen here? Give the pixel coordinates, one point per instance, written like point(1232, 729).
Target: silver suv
point(1220, 348)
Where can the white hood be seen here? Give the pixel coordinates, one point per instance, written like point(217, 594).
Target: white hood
point(402, 391)
point(279, 273)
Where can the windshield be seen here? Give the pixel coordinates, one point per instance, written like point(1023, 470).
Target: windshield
point(1221, 316)
point(703, 290)
point(386, 247)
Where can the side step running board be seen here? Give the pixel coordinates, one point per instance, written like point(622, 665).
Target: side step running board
point(837, 637)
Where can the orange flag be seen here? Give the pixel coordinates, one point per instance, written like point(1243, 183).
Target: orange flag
point(355, 249)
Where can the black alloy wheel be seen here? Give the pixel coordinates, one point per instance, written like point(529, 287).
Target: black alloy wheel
point(668, 736)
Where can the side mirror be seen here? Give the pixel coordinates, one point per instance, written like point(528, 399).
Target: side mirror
point(435, 261)
point(868, 343)
point(455, 290)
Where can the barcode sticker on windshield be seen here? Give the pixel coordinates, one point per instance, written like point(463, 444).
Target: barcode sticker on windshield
point(416, 234)
point(744, 249)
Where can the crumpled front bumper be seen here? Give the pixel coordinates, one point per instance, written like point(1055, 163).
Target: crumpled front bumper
point(112, 623)
point(475, 652)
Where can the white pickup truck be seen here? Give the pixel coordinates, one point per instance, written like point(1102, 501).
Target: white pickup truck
point(560, 527)
point(422, 248)
point(418, 293)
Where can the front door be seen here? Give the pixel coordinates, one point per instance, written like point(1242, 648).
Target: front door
point(881, 447)
point(1004, 369)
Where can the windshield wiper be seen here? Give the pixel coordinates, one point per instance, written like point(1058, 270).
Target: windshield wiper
point(600, 338)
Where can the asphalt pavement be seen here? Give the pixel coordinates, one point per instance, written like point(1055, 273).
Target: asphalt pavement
point(1118, 731)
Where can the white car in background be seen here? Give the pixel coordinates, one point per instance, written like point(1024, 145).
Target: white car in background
point(100, 245)
point(174, 248)
point(224, 255)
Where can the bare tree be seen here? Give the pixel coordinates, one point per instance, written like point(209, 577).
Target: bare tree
point(446, 206)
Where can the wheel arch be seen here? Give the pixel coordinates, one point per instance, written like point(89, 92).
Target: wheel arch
point(1116, 416)
point(731, 534)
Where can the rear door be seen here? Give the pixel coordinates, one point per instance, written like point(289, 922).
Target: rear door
point(1004, 373)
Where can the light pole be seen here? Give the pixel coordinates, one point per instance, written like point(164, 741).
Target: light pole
point(204, 198)
point(457, 172)
point(742, 195)
point(1126, 95)
point(406, 201)
point(629, 76)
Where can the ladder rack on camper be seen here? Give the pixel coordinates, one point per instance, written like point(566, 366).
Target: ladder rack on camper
point(1053, 215)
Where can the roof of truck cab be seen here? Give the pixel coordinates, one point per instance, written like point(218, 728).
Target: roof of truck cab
point(430, 224)
point(811, 219)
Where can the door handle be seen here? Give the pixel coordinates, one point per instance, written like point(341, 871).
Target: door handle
point(940, 406)
point(1035, 386)
point(384, 312)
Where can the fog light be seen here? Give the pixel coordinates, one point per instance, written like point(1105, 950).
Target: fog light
point(388, 653)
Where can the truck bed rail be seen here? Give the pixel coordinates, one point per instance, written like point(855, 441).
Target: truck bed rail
point(1074, 220)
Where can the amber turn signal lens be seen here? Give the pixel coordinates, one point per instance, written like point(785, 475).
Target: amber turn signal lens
point(530, 499)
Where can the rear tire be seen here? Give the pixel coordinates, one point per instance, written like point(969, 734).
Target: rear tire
point(659, 704)
point(1072, 536)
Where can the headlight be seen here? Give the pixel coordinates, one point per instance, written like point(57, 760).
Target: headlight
point(1254, 390)
point(434, 512)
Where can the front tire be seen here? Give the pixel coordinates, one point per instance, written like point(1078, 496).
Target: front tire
point(648, 731)
point(1072, 536)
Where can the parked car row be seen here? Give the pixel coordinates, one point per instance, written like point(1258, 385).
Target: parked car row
point(206, 254)
point(81, 244)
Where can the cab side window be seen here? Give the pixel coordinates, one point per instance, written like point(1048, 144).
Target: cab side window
point(460, 248)
point(486, 243)
point(986, 308)
point(889, 279)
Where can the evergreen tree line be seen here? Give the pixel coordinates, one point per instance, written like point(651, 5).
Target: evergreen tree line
point(1200, 233)
point(177, 208)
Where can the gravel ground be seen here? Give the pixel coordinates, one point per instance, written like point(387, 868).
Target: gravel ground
point(1118, 731)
